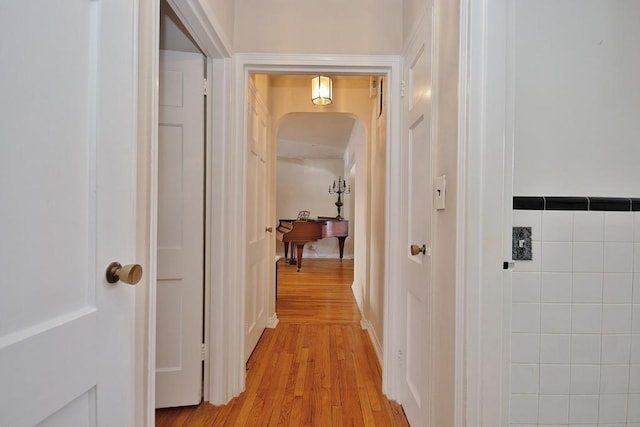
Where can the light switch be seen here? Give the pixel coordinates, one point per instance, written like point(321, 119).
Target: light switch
point(521, 244)
point(440, 185)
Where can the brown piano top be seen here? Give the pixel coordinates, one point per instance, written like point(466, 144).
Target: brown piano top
point(312, 229)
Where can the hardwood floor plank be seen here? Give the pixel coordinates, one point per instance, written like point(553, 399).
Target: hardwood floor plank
point(302, 371)
point(317, 368)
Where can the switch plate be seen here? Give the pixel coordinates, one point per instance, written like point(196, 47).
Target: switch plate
point(521, 249)
point(439, 189)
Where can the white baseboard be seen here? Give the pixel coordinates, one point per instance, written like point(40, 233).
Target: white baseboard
point(365, 325)
point(377, 346)
point(357, 293)
point(273, 321)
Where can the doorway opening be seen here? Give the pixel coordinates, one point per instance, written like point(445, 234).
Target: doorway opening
point(225, 265)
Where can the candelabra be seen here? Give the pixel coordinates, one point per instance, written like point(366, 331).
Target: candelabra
point(340, 188)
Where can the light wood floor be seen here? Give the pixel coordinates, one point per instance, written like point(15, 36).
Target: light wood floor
point(316, 368)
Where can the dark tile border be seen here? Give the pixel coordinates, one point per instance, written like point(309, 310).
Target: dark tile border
point(554, 203)
point(609, 204)
point(528, 203)
point(566, 203)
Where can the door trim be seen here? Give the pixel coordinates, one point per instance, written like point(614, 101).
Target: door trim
point(216, 49)
point(483, 169)
point(387, 65)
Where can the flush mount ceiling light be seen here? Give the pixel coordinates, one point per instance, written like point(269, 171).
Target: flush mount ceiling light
point(321, 88)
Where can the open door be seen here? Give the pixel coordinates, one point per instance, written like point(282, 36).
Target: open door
point(259, 267)
point(180, 292)
point(416, 233)
point(67, 188)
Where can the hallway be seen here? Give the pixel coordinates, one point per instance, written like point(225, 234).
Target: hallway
point(317, 368)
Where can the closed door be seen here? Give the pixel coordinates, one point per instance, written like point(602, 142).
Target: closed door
point(67, 196)
point(416, 232)
point(180, 230)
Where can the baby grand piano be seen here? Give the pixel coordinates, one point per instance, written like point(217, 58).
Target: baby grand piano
point(297, 233)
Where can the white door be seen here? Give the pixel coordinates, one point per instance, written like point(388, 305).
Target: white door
point(258, 238)
point(180, 230)
point(67, 209)
point(416, 220)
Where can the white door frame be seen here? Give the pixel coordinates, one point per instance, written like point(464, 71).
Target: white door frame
point(217, 50)
point(484, 197)
point(386, 65)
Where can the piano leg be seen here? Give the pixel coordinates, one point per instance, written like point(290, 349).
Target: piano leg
point(286, 249)
point(341, 245)
point(292, 260)
point(300, 248)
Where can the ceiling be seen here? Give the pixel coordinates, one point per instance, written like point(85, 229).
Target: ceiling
point(314, 135)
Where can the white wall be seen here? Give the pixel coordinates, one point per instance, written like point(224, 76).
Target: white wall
point(328, 26)
point(445, 240)
point(223, 13)
point(356, 155)
point(412, 10)
point(577, 98)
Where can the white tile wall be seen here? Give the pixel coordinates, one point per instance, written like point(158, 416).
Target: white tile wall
point(586, 348)
point(584, 409)
point(616, 348)
point(555, 348)
point(575, 342)
point(587, 287)
point(523, 409)
point(635, 348)
point(614, 379)
point(556, 256)
point(612, 408)
point(633, 414)
point(588, 257)
point(588, 226)
point(618, 227)
point(618, 257)
point(585, 379)
point(525, 348)
point(526, 287)
point(634, 379)
point(556, 287)
point(555, 379)
point(555, 318)
point(618, 288)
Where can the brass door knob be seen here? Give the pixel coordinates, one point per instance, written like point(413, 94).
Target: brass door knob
point(130, 273)
point(416, 250)
point(269, 229)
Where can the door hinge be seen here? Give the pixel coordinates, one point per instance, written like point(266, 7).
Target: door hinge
point(403, 88)
point(204, 85)
point(203, 352)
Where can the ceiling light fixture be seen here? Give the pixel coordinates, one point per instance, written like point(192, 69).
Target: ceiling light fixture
point(321, 90)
